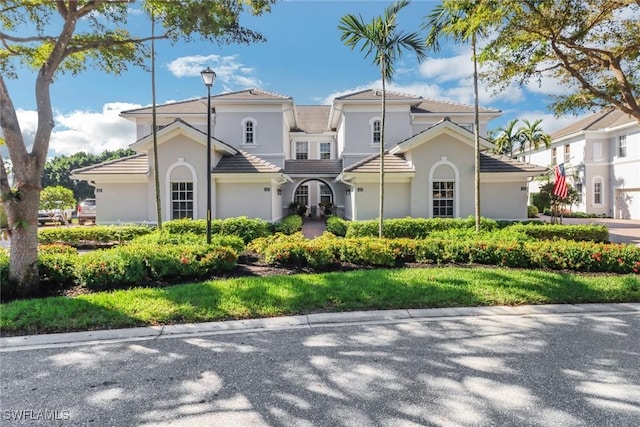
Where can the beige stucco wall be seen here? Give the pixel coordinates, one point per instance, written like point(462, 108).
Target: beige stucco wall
point(503, 200)
point(238, 199)
point(122, 203)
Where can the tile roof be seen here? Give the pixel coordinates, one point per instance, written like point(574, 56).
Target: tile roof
point(244, 162)
point(440, 106)
point(136, 164)
point(313, 167)
point(393, 163)
point(251, 94)
point(490, 162)
point(313, 118)
point(190, 106)
point(375, 94)
point(602, 120)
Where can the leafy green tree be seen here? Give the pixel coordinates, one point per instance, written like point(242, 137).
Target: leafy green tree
point(58, 44)
point(532, 136)
point(590, 46)
point(507, 139)
point(57, 199)
point(463, 21)
point(385, 43)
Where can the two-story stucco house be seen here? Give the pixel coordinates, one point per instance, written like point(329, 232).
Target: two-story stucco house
point(601, 154)
point(268, 152)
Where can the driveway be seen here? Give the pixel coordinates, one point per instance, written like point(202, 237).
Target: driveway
point(620, 230)
point(546, 368)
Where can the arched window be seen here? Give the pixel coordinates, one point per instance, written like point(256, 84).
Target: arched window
point(249, 125)
point(598, 190)
point(182, 188)
point(444, 180)
point(376, 130)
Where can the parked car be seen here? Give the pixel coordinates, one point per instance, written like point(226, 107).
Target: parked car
point(54, 215)
point(87, 211)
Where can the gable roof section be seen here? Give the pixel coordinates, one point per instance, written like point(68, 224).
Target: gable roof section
point(376, 95)
point(191, 106)
point(492, 163)
point(312, 118)
point(600, 121)
point(244, 162)
point(428, 106)
point(179, 126)
point(252, 94)
point(445, 126)
point(138, 164)
point(313, 167)
point(393, 163)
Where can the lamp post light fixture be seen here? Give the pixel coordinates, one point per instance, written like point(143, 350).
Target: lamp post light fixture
point(208, 76)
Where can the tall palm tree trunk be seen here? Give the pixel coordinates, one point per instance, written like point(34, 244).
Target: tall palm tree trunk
point(382, 120)
point(476, 132)
point(156, 174)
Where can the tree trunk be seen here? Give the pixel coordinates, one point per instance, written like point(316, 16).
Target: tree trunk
point(384, 106)
point(156, 167)
point(476, 134)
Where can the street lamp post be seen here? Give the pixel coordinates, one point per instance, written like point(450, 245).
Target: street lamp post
point(208, 76)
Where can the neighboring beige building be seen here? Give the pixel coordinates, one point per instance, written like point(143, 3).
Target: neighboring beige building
point(601, 154)
point(268, 152)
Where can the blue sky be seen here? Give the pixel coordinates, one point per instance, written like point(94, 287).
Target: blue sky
point(303, 57)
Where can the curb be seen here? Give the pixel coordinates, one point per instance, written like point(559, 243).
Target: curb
point(318, 320)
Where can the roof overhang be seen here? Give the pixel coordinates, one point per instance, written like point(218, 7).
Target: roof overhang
point(445, 127)
point(374, 177)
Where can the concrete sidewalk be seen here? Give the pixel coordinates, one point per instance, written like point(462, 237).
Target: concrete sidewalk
point(318, 320)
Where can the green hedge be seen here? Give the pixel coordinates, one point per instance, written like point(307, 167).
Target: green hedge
point(165, 238)
point(486, 249)
point(246, 228)
point(414, 228)
point(337, 226)
point(101, 234)
point(596, 233)
point(289, 225)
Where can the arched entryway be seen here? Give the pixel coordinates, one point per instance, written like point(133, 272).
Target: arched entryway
point(317, 195)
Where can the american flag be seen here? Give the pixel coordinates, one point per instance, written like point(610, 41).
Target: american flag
point(560, 187)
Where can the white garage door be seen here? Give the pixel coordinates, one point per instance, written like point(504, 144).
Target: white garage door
point(628, 204)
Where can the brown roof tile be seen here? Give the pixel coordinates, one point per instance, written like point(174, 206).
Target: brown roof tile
point(440, 106)
point(313, 118)
point(313, 167)
point(601, 120)
point(375, 94)
point(244, 162)
point(251, 94)
point(490, 162)
point(393, 163)
point(136, 164)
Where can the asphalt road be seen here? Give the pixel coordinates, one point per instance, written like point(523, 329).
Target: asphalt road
point(535, 370)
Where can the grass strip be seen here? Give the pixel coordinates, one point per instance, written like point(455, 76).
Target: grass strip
point(253, 297)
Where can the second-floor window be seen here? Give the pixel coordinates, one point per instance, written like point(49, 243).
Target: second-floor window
point(554, 156)
point(376, 131)
point(248, 131)
point(325, 150)
point(597, 192)
point(597, 151)
point(302, 150)
point(622, 146)
point(567, 153)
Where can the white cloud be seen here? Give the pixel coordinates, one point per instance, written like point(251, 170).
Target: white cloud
point(88, 131)
point(448, 68)
point(550, 123)
point(229, 71)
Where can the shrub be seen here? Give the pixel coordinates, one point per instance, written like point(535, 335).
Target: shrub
point(367, 251)
point(532, 211)
point(319, 253)
point(57, 268)
point(57, 248)
point(109, 268)
point(246, 228)
point(100, 234)
point(596, 233)
point(6, 290)
point(285, 253)
point(289, 225)
point(165, 238)
point(337, 226)
point(584, 256)
point(414, 228)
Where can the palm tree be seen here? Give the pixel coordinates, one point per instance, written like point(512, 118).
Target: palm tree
point(154, 125)
point(532, 136)
point(382, 40)
point(507, 138)
point(462, 21)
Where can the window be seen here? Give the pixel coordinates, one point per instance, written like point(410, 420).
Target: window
point(325, 194)
point(554, 156)
point(597, 151)
point(181, 200)
point(443, 197)
point(302, 150)
point(597, 192)
point(325, 150)
point(622, 146)
point(579, 191)
point(567, 153)
point(302, 195)
point(248, 131)
point(376, 132)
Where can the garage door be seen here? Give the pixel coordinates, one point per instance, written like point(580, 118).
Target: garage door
point(628, 206)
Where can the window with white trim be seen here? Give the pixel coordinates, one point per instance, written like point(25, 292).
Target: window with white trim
point(567, 153)
point(302, 195)
point(554, 156)
point(622, 146)
point(597, 151)
point(325, 194)
point(443, 198)
point(325, 150)
point(376, 131)
point(302, 150)
point(249, 132)
point(597, 191)
point(181, 200)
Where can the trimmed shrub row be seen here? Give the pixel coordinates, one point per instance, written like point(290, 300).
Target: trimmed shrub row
point(104, 234)
point(246, 228)
point(326, 250)
point(337, 226)
point(289, 225)
point(164, 238)
point(592, 232)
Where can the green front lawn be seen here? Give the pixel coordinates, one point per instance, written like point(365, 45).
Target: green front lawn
point(254, 297)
